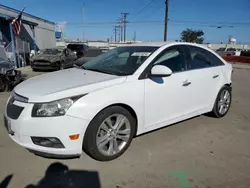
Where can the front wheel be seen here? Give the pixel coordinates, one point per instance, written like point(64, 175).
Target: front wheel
point(223, 102)
point(109, 134)
point(61, 66)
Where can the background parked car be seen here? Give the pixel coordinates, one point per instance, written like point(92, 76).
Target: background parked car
point(9, 77)
point(229, 52)
point(53, 58)
point(91, 53)
point(79, 49)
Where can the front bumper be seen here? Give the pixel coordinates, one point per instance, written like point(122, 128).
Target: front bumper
point(45, 66)
point(25, 127)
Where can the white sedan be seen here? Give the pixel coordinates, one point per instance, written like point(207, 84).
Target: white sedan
point(116, 96)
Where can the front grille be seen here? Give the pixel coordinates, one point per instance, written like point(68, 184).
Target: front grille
point(42, 61)
point(13, 111)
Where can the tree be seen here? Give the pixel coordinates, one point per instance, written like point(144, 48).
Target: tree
point(190, 35)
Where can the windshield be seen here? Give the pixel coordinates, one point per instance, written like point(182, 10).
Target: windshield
point(51, 51)
point(2, 60)
point(3, 54)
point(221, 49)
point(94, 53)
point(231, 49)
point(120, 61)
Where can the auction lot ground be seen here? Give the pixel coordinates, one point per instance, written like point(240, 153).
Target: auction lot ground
point(202, 152)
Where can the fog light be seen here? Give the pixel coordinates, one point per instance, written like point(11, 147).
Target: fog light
point(51, 142)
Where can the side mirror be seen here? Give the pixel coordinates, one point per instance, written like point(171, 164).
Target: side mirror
point(160, 71)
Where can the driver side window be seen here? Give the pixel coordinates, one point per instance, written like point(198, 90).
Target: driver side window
point(173, 58)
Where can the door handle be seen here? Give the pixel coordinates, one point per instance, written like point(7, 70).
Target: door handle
point(215, 76)
point(186, 83)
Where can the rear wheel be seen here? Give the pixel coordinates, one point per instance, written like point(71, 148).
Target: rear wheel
point(109, 134)
point(223, 102)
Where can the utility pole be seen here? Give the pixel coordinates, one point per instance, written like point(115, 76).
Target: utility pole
point(124, 20)
point(166, 21)
point(119, 21)
point(115, 32)
point(118, 32)
point(82, 23)
point(134, 38)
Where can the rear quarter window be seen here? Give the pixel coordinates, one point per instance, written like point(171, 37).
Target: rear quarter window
point(201, 58)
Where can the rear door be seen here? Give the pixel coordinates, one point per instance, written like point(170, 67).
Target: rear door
point(205, 74)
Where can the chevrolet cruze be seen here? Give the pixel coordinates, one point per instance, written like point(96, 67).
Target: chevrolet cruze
point(100, 107)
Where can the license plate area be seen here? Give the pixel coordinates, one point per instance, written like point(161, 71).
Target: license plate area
point(7, 125)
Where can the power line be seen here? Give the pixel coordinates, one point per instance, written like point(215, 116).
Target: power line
point(147, 6)
point(161, 21)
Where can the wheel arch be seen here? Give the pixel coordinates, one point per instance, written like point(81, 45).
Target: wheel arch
point(125, 106)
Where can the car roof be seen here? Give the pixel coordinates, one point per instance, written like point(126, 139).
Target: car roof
point(160, 44)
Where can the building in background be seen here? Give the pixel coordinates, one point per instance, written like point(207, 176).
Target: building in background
point(36, 33)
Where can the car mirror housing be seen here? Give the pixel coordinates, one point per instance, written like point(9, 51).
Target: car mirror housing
point(160, 71)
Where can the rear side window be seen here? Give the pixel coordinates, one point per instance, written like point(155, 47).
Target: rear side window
point(231, 49)
point(201, 58)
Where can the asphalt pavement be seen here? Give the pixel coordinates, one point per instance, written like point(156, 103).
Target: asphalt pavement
point(202, 152)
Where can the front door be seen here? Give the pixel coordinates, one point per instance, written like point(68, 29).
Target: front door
point(168, 98)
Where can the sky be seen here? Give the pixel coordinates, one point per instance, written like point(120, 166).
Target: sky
point(233, 16)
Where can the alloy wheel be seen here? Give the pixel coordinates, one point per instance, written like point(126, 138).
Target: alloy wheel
point(224, 102)
point(113, 134)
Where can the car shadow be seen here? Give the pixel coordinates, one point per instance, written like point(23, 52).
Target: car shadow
point(6, 181)
point(58, 175)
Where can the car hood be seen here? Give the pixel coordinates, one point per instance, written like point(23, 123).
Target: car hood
point(46, 57)
point(65, 83)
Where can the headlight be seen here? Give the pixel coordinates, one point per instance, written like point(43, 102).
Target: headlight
point(55, 108)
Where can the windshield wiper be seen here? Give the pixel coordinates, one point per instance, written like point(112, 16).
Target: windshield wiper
point(101, 71)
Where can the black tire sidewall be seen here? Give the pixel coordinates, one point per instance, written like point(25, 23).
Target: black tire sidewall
point(61, 66)
point(89, 143)
point(215, 109)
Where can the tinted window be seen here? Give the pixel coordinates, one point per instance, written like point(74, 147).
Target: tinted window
point(93, 53)
point(51, 51)
point(231, 49)
point(215, 60)
point(75, 47)
point(201, 58)
point(173, 58)
point(221, 49)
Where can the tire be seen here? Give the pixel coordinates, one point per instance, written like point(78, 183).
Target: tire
point(222, 102)
point(61, 66)
point(95, 132)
